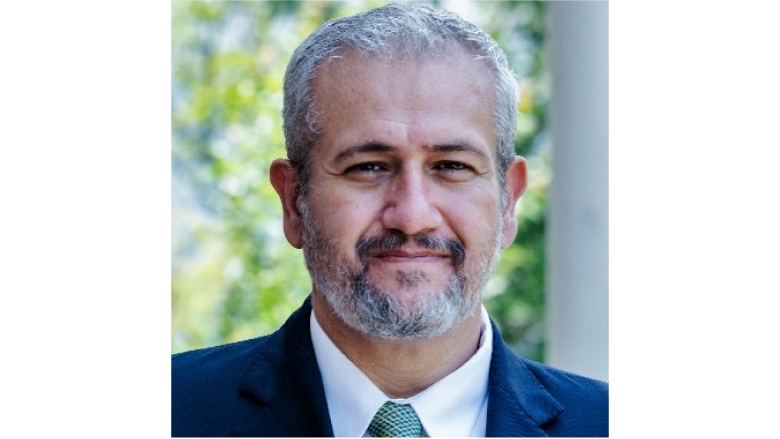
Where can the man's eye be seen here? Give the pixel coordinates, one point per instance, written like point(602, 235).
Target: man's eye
point(455, 171)
point(367, 172)
point(452, 166)
point(365, 167)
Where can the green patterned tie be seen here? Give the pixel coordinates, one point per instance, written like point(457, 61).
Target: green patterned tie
point(395, 420)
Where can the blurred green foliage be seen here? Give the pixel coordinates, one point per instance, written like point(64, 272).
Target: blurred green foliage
point(234, 276)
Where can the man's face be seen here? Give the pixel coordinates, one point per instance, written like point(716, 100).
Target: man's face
point(402, 220)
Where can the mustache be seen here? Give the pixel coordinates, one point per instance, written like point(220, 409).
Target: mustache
point(453, 247)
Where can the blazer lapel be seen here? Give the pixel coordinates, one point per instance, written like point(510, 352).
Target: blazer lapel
point(285, 382)
point(518, 405)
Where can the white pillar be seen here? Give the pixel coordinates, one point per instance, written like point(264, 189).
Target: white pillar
point(577, 246)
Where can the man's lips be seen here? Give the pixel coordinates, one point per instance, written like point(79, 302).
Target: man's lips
point(419, 256)
point(410, 250)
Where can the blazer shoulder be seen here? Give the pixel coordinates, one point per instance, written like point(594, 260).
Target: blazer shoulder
point(266, 386)
point(562, 383)
point(213, 362)
point(585, 401)
point(204, 387)
point(528, 398)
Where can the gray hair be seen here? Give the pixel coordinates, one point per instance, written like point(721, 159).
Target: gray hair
point(392, 29)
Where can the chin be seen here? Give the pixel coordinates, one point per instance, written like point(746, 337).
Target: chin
point(407, 313)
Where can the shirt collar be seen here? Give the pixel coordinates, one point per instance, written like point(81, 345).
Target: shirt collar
point(450, 407)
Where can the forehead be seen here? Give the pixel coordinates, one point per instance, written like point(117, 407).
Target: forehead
point(352, 74)
point(363, 95)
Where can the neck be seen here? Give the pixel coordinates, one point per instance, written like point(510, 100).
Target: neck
point(401, 368)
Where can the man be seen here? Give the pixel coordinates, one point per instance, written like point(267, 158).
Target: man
point(400, 187)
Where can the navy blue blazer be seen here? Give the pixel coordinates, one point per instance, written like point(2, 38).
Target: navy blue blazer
point(271, 386)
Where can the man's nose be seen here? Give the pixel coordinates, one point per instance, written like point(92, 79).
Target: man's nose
point(410, 205)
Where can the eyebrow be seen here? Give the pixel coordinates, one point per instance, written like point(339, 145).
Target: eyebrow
point(371, 146)
point(375, 146)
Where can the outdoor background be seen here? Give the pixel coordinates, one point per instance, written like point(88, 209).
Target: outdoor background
point(234, 276)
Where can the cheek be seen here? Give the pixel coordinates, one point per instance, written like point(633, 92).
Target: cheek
point(475, 222)
point(343, 217)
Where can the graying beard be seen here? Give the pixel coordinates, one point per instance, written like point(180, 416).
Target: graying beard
point(355, 301)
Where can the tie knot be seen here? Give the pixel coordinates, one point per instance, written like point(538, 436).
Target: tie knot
point(395, 420)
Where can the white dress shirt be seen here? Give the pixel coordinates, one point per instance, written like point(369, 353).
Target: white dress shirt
point(455, 406)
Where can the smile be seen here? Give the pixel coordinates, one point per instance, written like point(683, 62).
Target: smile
point(409, 259)
point(408, 256)
point(402, 249)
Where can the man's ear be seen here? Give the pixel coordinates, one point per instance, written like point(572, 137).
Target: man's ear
point(516, 182)
point(286, 182)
